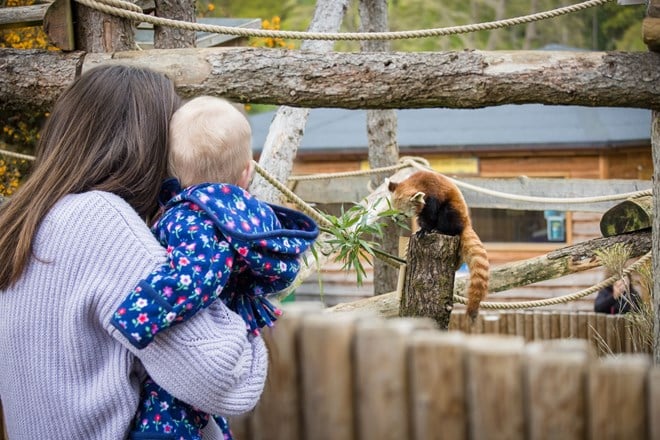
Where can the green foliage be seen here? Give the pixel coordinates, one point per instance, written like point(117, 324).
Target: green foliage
point(607, 27)
point(355, 240)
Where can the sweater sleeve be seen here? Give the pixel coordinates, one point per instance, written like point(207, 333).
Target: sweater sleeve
point(209, 363)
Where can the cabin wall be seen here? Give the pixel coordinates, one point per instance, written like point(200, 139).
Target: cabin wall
point(337, 285)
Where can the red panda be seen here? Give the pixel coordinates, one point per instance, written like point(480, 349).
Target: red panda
point(439, 206)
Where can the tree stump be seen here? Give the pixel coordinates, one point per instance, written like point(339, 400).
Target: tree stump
point(428, 288)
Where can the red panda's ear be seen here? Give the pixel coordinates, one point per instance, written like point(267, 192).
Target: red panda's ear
point(391, 185)
point(418, 198)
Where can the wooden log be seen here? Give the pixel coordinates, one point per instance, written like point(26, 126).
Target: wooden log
point(612, 333)
point(618, 397)
point(494, 376)
point(326, 343)
point(428, 288)
point(282, 397)
point(555, 383)
point(381, 371)
point(371, 80)
point(629, 215)
point(565, 325)
point(564, 261)
point(22, 16)
point(438, 401)
point(555, 329)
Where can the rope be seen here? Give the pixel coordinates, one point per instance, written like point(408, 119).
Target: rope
point(559, 299)
point(129, 11)
point(523, 198)
point(304, 206)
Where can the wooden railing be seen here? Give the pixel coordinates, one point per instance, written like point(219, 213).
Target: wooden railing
point(511, 375)
point(345, 376)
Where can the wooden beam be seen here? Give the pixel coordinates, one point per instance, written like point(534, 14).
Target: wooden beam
point(58, 25)
point(354, 188)
point(558, 263)
point(22, 16)
point(466, 79)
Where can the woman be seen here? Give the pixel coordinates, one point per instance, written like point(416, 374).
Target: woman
point(73, 243)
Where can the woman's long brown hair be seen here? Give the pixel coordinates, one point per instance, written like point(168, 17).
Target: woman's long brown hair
point(108, 131)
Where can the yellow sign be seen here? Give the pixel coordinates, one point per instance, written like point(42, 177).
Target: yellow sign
point(448, 165)
point(456, 165)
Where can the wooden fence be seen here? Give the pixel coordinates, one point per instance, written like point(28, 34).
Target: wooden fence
point(511, 375)
point(347, 376)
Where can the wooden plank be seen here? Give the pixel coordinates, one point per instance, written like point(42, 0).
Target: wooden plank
point(438, 401)
point(282, 398)
point(353, 189)
point(326, 343)
point(618, 397)
point(494, 377)
point(555, 384)
point(381, 377)
point(22, 16)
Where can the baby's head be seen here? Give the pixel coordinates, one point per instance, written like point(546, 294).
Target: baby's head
point(210, 141)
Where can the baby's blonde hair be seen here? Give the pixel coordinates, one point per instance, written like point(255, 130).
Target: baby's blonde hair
point(210, 141)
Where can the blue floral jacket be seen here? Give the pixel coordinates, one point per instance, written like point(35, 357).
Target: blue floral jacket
point(221, 243)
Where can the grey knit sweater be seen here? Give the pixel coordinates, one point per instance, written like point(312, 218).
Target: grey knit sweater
point(65, 373)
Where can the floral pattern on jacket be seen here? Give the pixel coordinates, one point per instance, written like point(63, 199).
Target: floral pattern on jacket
point(221, 243)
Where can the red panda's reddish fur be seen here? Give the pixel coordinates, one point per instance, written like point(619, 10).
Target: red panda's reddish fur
point(439, 206)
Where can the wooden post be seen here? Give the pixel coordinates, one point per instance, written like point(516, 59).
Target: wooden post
point(278, 414)
point(555, 383)
point(381, 371)
point(494, 377)
point(618, 397)
point(326, 342)
point(429, 282)
point(437, 385)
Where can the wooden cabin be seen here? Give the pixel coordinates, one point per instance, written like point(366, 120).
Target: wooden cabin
point(533, 140)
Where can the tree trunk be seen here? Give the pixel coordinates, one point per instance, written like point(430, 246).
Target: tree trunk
point(468, 79)
point(96, 32)
point(383, 147)
point(288, 126)
point(166, 37)
point(428, 289)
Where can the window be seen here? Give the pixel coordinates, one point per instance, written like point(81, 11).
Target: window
point(514, 226)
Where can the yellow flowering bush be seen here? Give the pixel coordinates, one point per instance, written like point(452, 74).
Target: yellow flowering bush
point(272, 25)
point(20, 132)
point(11, 171)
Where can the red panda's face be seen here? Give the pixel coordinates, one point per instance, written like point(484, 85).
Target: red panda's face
point(406, 198)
